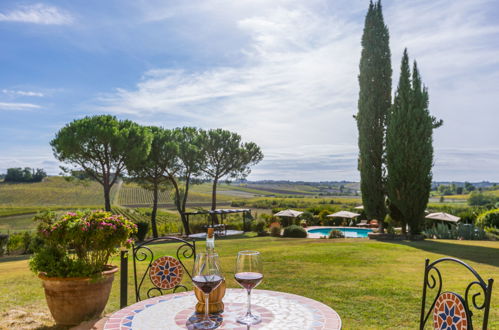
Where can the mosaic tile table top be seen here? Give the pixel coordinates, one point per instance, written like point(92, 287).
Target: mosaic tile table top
point(278, 310)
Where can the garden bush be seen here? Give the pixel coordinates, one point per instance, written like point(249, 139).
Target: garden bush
point(166, 228)
point(4, 239)
point(234, 222)
point(336, 234)
point(142, 230)
point(295, 231)
point(488, 219)
point(197, 226)
point(15, 243)
point(480, 199)
point(459, 231)
point(258, 226)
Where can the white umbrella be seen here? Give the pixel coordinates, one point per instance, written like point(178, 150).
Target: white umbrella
point(344, 214)
point(360, 207)
point(443, 216)
point(288, 213)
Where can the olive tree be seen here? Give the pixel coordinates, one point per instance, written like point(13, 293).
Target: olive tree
point(103, 146)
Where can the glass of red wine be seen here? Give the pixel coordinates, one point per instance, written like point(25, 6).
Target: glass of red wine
point(249, 273)
point(206, 276)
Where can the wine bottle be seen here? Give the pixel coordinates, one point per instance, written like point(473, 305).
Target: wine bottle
point(215, 301)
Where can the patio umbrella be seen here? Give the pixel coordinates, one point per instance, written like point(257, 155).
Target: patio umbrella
point(344, 214)
point(443, 216)
point(360, 207)
point(288, 213)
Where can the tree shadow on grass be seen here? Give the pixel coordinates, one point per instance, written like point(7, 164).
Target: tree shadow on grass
point(480, 254)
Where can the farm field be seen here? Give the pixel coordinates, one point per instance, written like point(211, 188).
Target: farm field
point(133, 194)
point(53, 191)
point(381, 280)
point(17, 223)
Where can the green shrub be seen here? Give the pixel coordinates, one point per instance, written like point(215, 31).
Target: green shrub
point(480, 199)
point(4, 239)
point(459, 231)
point(307, 216)
point(142, 230)
point(259, 226)
point(469, 215)
point(488, 219)
point(166, 228)
point(15, 243)
point(295, 231)
point(197, 225)
point(336, 234)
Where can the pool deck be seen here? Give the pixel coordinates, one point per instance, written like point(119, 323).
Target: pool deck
point(317, 235)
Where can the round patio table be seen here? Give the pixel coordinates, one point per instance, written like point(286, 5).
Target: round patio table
point(278, 310)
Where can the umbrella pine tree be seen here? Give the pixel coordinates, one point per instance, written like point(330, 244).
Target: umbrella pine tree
point(373, 105)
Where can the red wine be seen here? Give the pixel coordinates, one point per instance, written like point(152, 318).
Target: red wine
point(248, 280)
point(207, 283)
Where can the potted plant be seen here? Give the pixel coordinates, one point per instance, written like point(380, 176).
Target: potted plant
point(73, 261)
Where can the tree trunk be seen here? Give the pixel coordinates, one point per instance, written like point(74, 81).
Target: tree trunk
point(185, 222)
point(107, 197)
point(214, 217)
point(180, 207)
point(154, 211)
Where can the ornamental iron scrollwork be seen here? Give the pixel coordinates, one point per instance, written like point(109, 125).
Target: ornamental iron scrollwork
point(142, 254)
point(476, 296)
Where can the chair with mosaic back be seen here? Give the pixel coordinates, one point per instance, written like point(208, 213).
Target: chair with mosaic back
point(452, 310)
point(155, 275)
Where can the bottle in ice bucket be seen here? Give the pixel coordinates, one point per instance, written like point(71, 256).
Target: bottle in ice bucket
point(215, 301)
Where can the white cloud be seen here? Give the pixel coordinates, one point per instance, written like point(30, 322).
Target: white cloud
point(18, 106)
point(22, 93)
point(38, 14)
point(289, 92)
point(296, 86)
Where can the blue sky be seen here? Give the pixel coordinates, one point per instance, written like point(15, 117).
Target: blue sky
point(281, 73)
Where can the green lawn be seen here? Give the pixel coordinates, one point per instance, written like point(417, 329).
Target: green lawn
point(370, 284)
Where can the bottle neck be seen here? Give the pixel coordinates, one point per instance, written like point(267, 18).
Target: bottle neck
point(210, 241)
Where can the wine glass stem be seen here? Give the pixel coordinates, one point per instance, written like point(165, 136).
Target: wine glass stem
point(207, 306)
point(248, 313)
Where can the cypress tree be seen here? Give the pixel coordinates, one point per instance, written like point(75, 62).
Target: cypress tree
point(374, 103)
point(409, 148)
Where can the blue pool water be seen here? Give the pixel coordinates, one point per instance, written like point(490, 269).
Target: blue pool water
point(348, 232)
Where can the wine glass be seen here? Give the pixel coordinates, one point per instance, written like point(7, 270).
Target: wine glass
point(206, 276)
point(249, 273)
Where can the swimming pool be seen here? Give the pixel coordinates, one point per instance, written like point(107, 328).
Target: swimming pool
point(348, 232)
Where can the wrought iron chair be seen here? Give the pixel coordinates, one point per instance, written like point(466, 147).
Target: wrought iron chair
point(450, 310)
point(162, 274)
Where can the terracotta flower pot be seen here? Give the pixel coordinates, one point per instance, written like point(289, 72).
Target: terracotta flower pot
point(76, 299)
